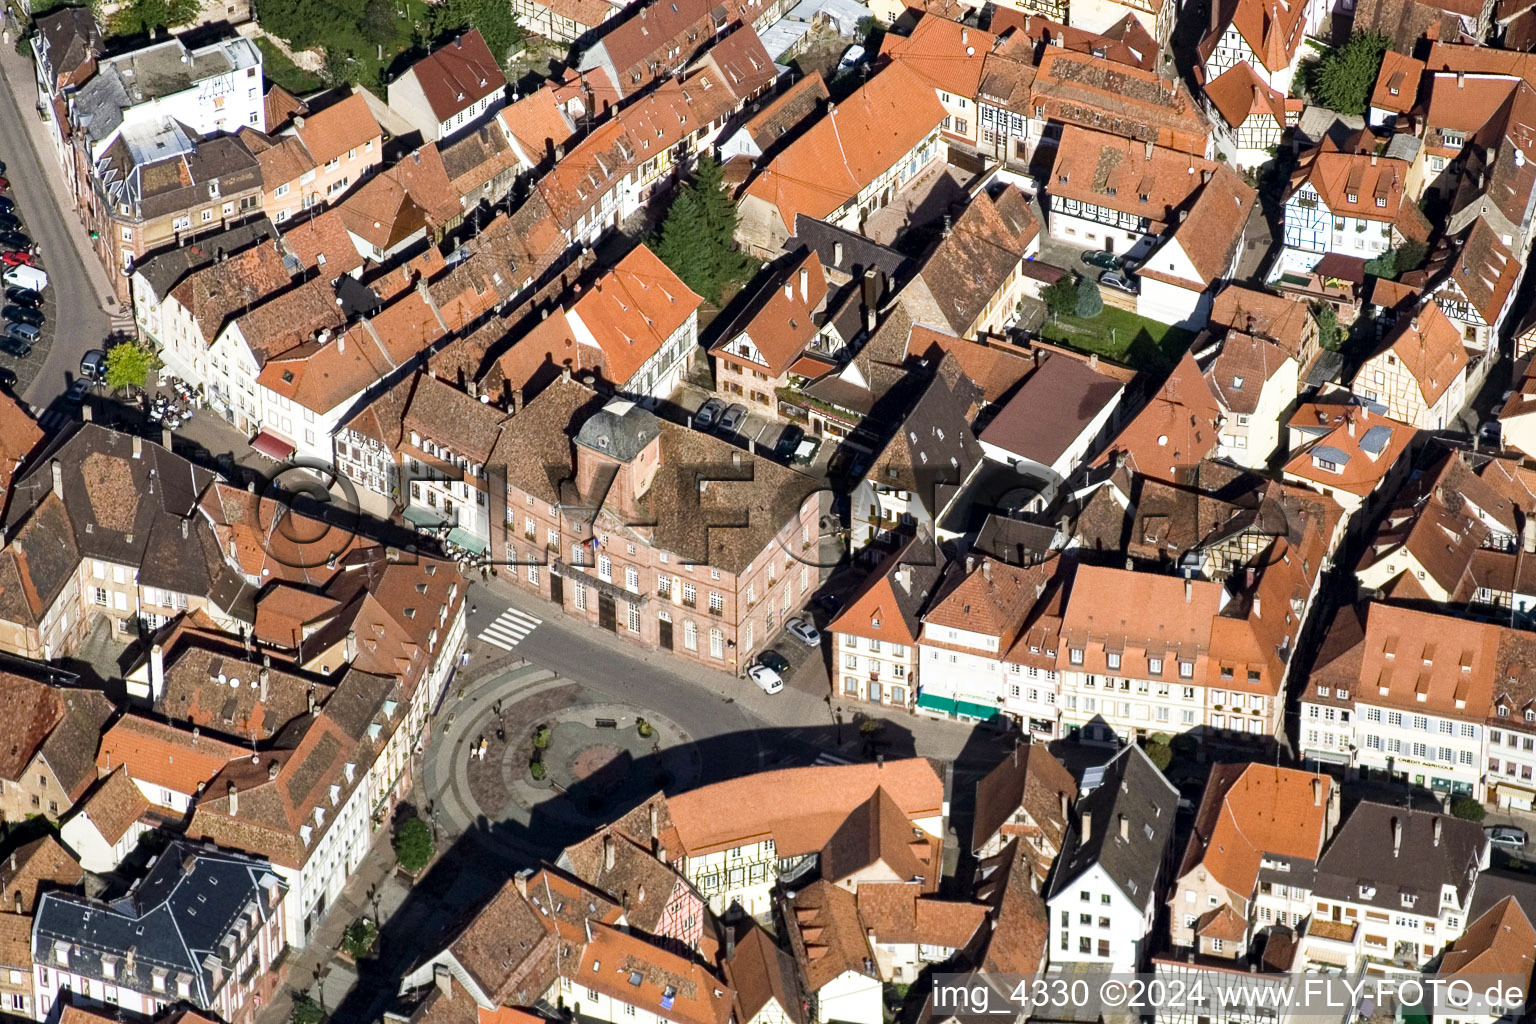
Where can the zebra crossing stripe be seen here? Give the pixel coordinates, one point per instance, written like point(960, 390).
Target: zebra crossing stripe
point(509, 629)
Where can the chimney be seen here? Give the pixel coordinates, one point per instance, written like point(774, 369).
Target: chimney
point(311, 698)
point(1125, 828)
point(1529, 533)
point(610, 855)
point(805, 285)
point(1205, 176)
point(517, 399)
point(1085, 825)
point(1063, 797)
point(156, 672)
point(262, 676)
point(1461, 79)
point(880, 762)
point(1189, 590)
point(165, 438)
point(443, 980)
point(730, 944)
point(18, 895)
point(138, 446)
point(655, 824)
point(351, 646)
point(986, 570)
point(58, 478)
point(1437, 831)
point(1397, 836)
point(837, 254)
point(789, 290)
point(234, 800)
point(1317, 792)
point(1147, 149)
point(272, 770)
point(85, 411)
point(521, 881)
point(1373, 159)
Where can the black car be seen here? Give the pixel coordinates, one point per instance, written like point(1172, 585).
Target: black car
point(774, 660)
point(7, 378)
point(24, 297)
point(14, 240)
point(15, 346)
point(9, 222)
point(789, 441)
point(7, 204)
point(22, 315)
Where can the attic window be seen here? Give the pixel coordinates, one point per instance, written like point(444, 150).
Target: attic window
point(1237, 383)
point(1352, 197)
point(1143, 197)
point(635, 977)
point(1381, 201)
point(1061, 179)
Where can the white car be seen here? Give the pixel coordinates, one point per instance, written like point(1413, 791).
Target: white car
point(804, 632)
point(766, 678)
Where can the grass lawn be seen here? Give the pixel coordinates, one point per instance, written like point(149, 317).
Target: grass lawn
point(1123, 337)
point(284, 72)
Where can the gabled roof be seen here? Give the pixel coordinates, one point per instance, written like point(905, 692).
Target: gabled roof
point(1020, 924)
point(335, 130)
point(1397, 83)
point(43, 865)
point(780, 322)
point(1209, 235)
point(1285, 320)
point(1243, 368)
point(1123, 174)
point(877, 838)
point(1500, 943)
point(1272, 29)
point(1353, 180)
point(932, 451)
point(1028, 779)
point(1346, 435)
point(163, 755)
point(1430, 348)
point(852, 145)
point(761, 973)
point(788, 112)
point(1054, 406)
point(827, 935)
point(1175, 430)
point(633, 309)
point(889, 603)
point(1389, 857)
point(1239, 93)
point(944, 53)
point(114, 806)
point(974, 261)
point(1477, 266)
point(1122, 827)
point(1250, 812)
point(458, 75)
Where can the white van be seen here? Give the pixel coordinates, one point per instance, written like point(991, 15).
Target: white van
point(26, 277)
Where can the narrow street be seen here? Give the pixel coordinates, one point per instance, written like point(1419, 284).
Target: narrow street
point(79, 303)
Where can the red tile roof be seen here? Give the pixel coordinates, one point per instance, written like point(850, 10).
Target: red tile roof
point(633, 309)
point(458, 75)
point(163, 755)
point(850, 147)
point(1175, 430)
point(339, 128)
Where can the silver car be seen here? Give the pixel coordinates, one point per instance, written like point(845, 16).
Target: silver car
point(707, 414)
point(804, 632)
point(1120, 281)
point(731, 421)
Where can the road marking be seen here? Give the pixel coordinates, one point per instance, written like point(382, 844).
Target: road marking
point(509, 629)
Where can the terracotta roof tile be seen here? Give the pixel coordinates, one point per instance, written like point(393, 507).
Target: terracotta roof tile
point(458, 74)
point(850, 147)
point(944, 53)
point(281, 105)
point(114, 806)
point(1500, 942)
point(1243, 369)
point(788, 112)
point(33, 709)
point(827, 936)
point(760, 972)
point(1175, 430)
point(35, 868)
point(163, 755)
point(780, 322)
point(633, 309)
point(321, 242)
point(219, 291)
point(537, 125)
point(339, 128)
point(1029, 780)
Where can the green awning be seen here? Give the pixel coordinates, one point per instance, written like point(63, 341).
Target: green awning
point(933, 702)
point(980, 712)
point(422, 516)
point(466, 540)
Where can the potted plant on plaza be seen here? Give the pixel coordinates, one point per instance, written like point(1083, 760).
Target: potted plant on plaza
point(644, 728)
point(357, 941)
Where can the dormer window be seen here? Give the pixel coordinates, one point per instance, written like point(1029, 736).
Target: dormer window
point(1237, 383)
point(1503, 711)
point(1381, 201)
point(1353, 197)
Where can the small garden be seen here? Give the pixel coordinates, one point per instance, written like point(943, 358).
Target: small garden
point(361, 935)
point(1079, 319)
point(414, 845)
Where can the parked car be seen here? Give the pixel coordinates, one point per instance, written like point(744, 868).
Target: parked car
point(804, 632)
point(774, 660)
point(78, 389)
point(5, 186)
point(20, 244)
point(708, 413)
point(851, 56)
point(1511, 837)
point(828, 603)
point(1492, 431)
point(23, 315)
point(24, 297)
point(1120, 281)
point(18, 339)
point(766, 678)
point(7, 204)
point(7, 377)
point(731, 421)
point(9, 221)
point(789, 441)
point(93, 365)
point(1101, 258)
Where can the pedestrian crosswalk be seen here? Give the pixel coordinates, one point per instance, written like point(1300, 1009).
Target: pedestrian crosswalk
point(509, 629)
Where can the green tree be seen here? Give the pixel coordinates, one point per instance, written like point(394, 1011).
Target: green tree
point(1061, 297)
point(684, 244)
point(381, 25)
point(1411, 255)
point(1341, 79)
point(494, 18)
point(359, 937)
point(1327, 325)
point(337, 69)
point(1383, 266)
point(1160, 754)
point(1087, 302)
point(130, 364)
point(306, 1011)
point(413, 844)
point(1468, 808)
point(538, 771)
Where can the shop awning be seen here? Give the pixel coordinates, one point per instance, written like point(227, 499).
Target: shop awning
point(272, 446)
point(418, 516)
point(980, 712)
point(933, 702)
point(466, 540)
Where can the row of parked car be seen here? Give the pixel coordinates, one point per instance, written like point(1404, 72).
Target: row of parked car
point(1118, 274)
point(728, 419)
point(23, 307)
